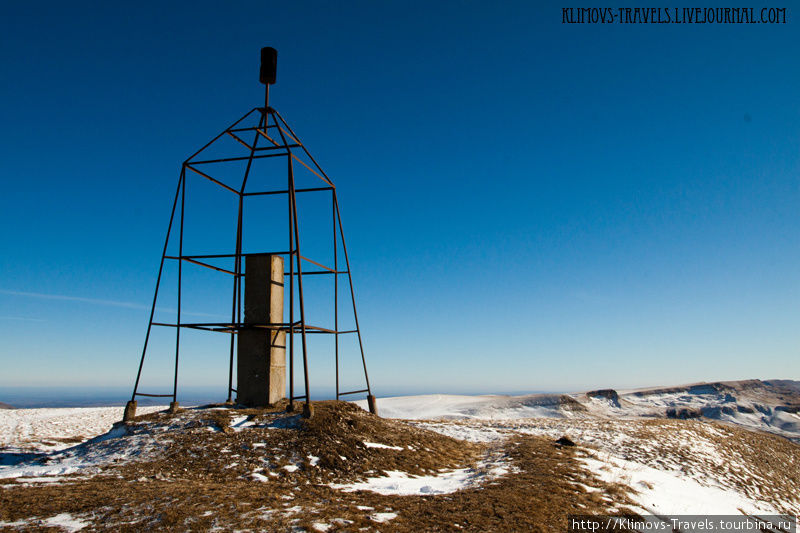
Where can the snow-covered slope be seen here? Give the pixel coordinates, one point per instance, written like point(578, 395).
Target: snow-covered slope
point(449, 406)
point(56, 428)
point(770, 406)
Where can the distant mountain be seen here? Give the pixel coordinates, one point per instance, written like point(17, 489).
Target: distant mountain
point(6, 406)
point(772, 406)
point(785, 383)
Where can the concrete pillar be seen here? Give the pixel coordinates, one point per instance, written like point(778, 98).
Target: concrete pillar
point(373, 405)
point(130, 411)
point(261, 353)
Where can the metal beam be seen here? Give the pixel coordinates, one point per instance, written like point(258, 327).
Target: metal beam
point(309, 189)
point(190, 167)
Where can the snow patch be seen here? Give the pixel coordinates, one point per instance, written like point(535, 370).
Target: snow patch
point(238, 423)
point(65, 521)
point(669, 493)
point(259, 477)
point(384, 446)
point(404, 484)
point(382, 517)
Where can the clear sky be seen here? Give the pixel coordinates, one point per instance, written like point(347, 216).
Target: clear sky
point(529, 205)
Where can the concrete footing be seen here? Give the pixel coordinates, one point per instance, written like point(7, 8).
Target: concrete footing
point(173, 407)
point(130, 411)
point(308, 410)
point(373, 407)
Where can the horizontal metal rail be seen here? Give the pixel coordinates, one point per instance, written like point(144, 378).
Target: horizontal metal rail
point(312, 272)
point(220, 256)
point(226, 327)
point(194, 326)
point(212, 267)
point(229, 159)
point(353, 392)
point(314, 329)
point(310, 189)
point(252, 128)
point(193, 259)
point(154, 395)
point(276, 325)
point(262, 148)
point(274, 147)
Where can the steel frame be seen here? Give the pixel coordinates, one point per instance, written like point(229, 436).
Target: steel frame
point(270, 122)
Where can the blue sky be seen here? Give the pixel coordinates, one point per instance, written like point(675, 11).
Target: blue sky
point(528, 205)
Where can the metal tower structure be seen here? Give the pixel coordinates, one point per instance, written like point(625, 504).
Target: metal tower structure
point(261, 134)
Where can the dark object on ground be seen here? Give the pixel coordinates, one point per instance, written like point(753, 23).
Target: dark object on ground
point(565, 441)
point(683, 412)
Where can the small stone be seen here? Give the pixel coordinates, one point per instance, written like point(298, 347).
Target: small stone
point(565, 441)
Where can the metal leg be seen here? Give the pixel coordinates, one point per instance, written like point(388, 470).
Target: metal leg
point(237, 280)
point(335, 293)
point(180, 272)
point(158, 282)
point(307, 411)
point(307, 407)
point(291, 297)
point(352, 293)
